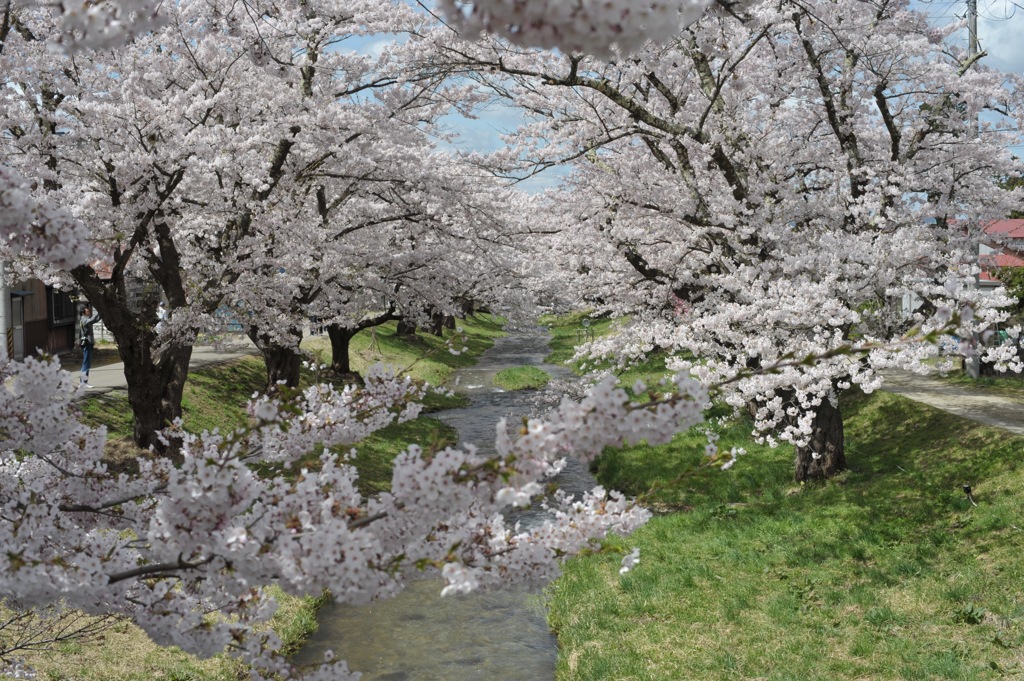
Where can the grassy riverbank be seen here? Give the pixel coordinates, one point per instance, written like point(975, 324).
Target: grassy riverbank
point(568, 331)
point(887, 572)
point(521, 378)
point(215, 396)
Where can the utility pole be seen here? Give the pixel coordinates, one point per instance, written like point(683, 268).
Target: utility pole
point(972, 364)
point(972, 28)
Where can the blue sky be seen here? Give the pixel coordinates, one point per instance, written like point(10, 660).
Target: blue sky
point(1000, 28)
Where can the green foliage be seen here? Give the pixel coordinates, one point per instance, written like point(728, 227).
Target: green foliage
point(886, 572)
point(970, 614)
point(521, 378)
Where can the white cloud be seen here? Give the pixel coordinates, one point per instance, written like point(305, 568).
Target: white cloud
point(1004, 41)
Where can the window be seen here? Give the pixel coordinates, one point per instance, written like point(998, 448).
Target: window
point(62, 308)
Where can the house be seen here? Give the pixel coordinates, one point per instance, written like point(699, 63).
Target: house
point(36, 317)
point(1002, 246)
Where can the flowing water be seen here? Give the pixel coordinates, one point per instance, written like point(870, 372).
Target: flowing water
point(495, 636)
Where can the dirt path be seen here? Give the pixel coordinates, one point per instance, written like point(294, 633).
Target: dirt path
point(974, 404)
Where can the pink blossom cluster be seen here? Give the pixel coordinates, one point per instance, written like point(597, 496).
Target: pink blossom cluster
point(747, 199)
point(168, 546)
point(30, 227)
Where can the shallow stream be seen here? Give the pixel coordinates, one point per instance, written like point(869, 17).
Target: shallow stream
point(419, 636)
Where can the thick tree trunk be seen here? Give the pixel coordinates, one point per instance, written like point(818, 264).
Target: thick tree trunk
point(340, 340)
point(406, 328)
point(155, 380)
point(283, 361)
point(824, 455)
point(436, 324)
point(154, 390)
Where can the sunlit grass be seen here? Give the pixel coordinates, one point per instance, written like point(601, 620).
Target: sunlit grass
point(123, 652)
point(1007, 386)
point(521, 378)
point(885, 572)
point(424, 356)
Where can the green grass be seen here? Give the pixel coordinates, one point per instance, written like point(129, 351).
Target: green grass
point(216, 396)
point(1008, 385)
point(566, 336)
point(568, 331)
point(425, 357)
point(521, 378)
point(996, 385)
point(375, 454)
point(886, 572)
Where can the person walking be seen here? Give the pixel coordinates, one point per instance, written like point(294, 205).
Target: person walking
point(161, 317)
point(87, 341)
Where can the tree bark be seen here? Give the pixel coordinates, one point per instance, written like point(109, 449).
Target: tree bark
point(155, 380)
point(406, 328)
point(436, 324)
point(467, 306)
point(340, 340)
point(155, 383)
point(824, 455)
point(283, 360)
point(154, 391)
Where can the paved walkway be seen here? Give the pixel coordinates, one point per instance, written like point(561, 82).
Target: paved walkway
point(975, 404)
point(111, 377)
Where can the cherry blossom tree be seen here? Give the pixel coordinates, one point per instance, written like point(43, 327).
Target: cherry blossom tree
point(183, 550)
point(205, 193)
point(768, 187)
point(408, 241)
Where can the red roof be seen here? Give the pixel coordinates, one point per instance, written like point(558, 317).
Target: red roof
point(1013, 229)
point(999, 260)
point(1007, 237)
